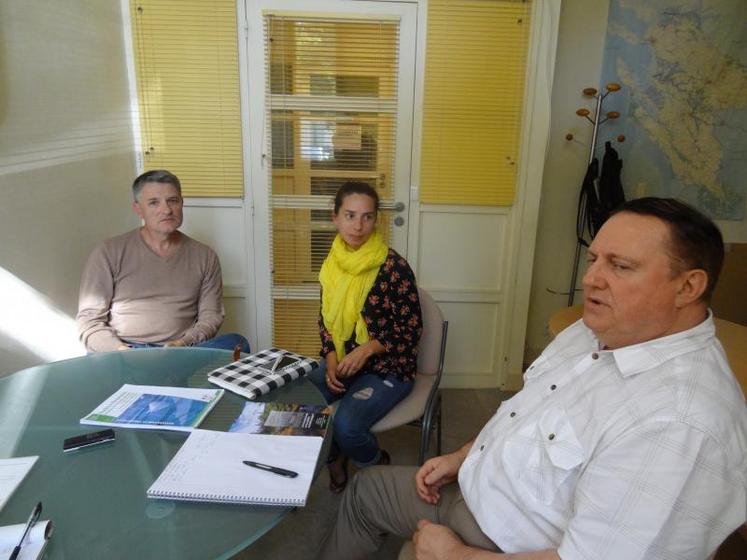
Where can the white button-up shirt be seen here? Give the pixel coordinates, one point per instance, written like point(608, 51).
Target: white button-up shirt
point(639, 452)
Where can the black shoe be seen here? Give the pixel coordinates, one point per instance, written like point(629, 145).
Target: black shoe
point(334, 452)
point(385, 459)
point(338, 475)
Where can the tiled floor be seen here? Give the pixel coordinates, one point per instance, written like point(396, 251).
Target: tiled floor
point(297, 536)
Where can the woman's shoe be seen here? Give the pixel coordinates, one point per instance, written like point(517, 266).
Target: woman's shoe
point(334, 453)
point(338, 474)
point(385, 459)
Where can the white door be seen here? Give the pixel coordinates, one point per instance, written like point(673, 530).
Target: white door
point(330, 99)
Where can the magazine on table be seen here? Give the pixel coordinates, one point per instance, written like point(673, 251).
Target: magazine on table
point(155, 408)
point(289, 419)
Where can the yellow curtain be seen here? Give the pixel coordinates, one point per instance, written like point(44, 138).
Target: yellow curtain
point(186, 61)
point(475, 69)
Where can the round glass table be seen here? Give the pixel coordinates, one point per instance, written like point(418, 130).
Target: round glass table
point(96, 497)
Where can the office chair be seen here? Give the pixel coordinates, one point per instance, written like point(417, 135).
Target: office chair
point(423, 405)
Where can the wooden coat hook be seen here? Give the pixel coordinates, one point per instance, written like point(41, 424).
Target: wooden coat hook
point(598, 118)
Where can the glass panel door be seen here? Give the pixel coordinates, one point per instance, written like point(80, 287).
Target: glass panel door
point(332, 113)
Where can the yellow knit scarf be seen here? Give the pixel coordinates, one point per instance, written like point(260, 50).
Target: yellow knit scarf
point(346, 277)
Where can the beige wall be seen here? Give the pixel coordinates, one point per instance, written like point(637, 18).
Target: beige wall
point(66, 159)
point(583, 27)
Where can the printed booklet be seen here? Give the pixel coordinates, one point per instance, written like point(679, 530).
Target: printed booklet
point(155, 408)
point(287, 419)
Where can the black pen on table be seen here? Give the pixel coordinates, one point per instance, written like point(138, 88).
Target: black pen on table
point(33, 518)
point(269, 468)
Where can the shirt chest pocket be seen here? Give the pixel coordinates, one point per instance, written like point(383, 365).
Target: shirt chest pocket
point(542, 455)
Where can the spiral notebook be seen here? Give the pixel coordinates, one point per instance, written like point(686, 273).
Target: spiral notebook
point(210, 467)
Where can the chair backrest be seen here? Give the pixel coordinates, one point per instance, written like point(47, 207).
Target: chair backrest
point(564, 318)
point(733, 338)
point(429, 349)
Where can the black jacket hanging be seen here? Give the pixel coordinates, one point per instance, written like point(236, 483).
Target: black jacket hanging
point(611, 194)
point(600, 194)
point(589, 211)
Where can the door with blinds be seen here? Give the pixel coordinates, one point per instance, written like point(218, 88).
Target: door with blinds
point(330, 101)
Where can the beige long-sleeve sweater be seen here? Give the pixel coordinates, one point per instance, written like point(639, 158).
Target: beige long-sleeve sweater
point(128, 292)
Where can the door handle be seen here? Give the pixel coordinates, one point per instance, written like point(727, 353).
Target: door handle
point(393, 206)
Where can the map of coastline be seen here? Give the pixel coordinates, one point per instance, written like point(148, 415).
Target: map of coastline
point(683, 70)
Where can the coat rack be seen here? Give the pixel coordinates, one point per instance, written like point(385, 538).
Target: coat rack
point(596, 122)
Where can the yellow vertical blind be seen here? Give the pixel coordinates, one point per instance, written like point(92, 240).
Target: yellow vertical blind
point(331, 100)
point(186, 62)
point(475, 69)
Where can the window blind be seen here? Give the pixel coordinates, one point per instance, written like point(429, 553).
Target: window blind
point(473, 100)
point(186, 63)
point(331, 99)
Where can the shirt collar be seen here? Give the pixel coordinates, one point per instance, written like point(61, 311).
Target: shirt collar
point(644, 356)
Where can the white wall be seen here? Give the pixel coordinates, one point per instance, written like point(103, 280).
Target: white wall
point(583, 27)
point(66, 162)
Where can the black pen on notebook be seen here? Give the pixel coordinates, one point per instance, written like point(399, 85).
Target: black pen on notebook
point(35, 513)
point(270, 468)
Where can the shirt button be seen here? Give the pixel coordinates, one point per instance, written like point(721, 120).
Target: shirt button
point(551, 437)
point(512, 414)
point(553, 387)
point(595, 356)
point(482, 447)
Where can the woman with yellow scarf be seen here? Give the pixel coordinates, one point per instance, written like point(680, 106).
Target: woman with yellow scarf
point(370, 324)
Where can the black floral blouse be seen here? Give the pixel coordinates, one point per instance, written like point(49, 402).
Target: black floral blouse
point(393, 317)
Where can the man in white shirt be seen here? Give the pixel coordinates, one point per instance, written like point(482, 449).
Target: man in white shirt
point(628, 440)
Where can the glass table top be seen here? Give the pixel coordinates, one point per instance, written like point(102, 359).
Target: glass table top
point(96, 497)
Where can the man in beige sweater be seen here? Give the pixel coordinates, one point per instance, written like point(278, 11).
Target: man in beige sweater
point(153, 286)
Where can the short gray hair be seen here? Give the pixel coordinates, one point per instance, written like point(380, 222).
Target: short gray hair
point(155, 176)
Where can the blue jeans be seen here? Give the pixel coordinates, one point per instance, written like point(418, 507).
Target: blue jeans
point(221, 342)
point(367, 399)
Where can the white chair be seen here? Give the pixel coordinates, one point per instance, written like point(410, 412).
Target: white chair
point(423, 405)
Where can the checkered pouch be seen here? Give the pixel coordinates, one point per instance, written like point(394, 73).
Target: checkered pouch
point(246, 378)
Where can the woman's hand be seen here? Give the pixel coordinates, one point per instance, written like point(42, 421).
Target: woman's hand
point(355, 360)
point(333, 384)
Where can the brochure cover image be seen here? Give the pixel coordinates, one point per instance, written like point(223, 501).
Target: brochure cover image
point(165, 408)
point(276, 418)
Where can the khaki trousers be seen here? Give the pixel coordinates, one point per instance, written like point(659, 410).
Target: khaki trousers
point(383, 500)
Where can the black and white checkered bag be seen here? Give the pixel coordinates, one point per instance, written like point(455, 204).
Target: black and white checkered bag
point(251, 377)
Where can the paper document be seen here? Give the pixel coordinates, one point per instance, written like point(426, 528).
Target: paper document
point(33, 545)
point(155, 408)
point(12, 472)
